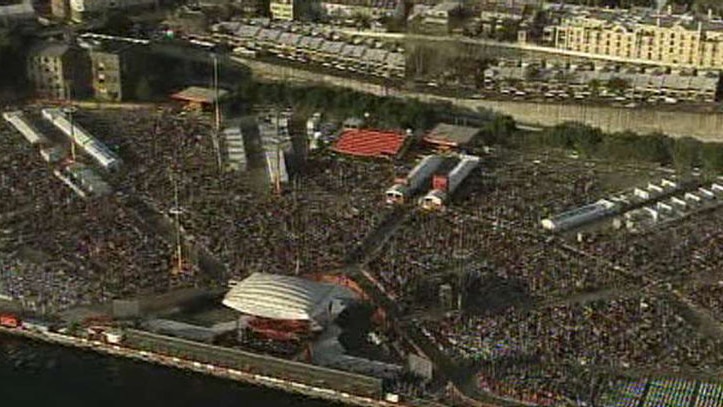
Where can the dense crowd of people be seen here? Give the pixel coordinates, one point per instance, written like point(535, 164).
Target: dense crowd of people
point(59, 250)
point(619, 332)
point(687, 254)
point(103, 251)
point(496, 216)
point(577, 310)
point(323, 214)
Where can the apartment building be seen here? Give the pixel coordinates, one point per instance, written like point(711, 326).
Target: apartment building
point(563, 83)
point(58, 70)
point(370, 8)
point(83, 9)
point(116, 69)
point(366, 58)
point(17, 13)
point(436, 20)
point(282, 9)
point(288, 10)
point(665, 39)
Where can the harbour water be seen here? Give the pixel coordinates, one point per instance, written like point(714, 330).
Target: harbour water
point(37, 374)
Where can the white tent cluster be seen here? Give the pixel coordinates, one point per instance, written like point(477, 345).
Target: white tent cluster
point(30, 132)
point(276, 144)
point(79, 177)
point(580, 216)
point(673, 208)
point(235, 150)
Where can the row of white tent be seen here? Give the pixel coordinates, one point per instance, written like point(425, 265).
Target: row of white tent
point(605, 207)
point(675, 207)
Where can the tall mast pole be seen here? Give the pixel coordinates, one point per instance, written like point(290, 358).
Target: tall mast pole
point(278, 155)
point(69, 99)
point(217, 112)
point(177, 210)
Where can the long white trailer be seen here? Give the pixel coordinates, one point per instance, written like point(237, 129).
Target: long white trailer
point(94, 148)
point(579, 216)
point(17, 119)
point(398, 192)
point(436, 198)
point(276, 166)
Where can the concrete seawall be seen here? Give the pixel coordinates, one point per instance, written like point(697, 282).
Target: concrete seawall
point(703, 126)
point(254, 378)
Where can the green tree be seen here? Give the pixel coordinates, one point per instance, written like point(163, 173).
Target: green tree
point(143, 90)
point(654, 148)
point(595, 85)
point(574, 136)
point(118, 23)
point(686, 154)
point(498, 130)
point(507, 31)
point(712, 158)
point(618, 85)
point(619, 146)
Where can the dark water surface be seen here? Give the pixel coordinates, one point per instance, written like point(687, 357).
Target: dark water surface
point(34, 374)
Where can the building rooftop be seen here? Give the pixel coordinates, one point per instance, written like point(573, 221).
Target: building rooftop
point(49, 49)
point(199, 94)
point(450, 134)
point(637, 18)
point(445, 7)
point(18, 11)
point(113, 47)
point(638, 80)
point(378, 4)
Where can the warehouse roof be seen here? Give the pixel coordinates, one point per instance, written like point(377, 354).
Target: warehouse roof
point(18, 11)
point(283, 297)
point(449, 134)
point(49, 49)
point(197, 94)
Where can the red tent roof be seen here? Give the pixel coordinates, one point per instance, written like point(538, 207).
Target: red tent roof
point(369, 143)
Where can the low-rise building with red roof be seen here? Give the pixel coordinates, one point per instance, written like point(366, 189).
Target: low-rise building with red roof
point(370, 143)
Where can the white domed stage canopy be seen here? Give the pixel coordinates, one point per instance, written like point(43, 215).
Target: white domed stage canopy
point(288, 298)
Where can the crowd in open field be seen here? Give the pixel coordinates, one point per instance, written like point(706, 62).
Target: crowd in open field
point(60, 250)
point(524, 189)
point(686, 255)
point(311, 227)
point(638, 335)
point(497, 219)
point(574, 309)
point(578, 310)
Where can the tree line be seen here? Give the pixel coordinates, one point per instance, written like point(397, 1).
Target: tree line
point(684, 154)
point(383, 112)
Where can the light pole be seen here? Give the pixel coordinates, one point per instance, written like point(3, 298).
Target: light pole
point(217, 112)
point(69, 108)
